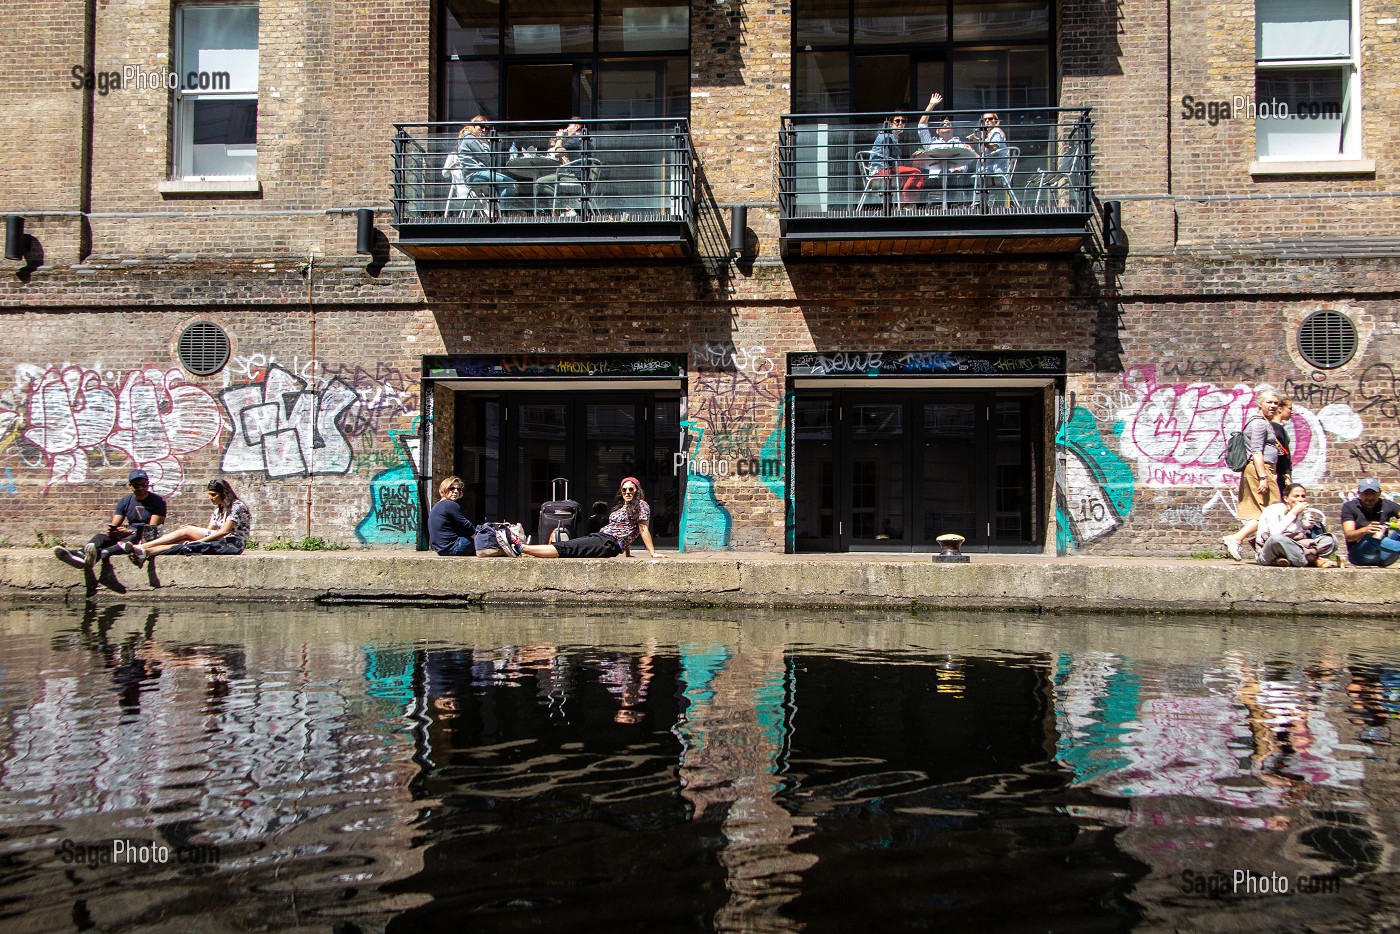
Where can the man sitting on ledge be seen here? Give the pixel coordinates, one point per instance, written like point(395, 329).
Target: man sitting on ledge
point(1370, 525)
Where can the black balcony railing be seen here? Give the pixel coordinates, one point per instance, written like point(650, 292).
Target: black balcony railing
point(835, 166)
point(617, 172)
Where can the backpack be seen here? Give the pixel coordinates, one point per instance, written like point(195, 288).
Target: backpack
point(1237, 451)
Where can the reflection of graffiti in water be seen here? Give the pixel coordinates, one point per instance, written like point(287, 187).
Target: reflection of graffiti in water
point(393, 497)
point(1096, 493)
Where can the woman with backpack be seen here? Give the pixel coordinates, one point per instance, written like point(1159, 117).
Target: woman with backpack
point(1259, 481)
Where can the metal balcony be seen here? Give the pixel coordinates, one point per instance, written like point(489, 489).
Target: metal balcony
point(626, 193)
point(950, 194)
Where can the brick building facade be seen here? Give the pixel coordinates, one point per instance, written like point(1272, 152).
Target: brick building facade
point(843, 389)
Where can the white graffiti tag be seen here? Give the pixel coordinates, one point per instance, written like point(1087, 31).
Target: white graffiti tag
point(285, 429)
point(154, 417)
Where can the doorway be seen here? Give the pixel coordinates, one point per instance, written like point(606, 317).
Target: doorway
point(894, 469)
point(510, 446)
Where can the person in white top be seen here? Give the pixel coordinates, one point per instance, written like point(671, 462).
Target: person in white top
point(1283, 538)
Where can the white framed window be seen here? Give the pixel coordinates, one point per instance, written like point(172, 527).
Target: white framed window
point(1307, 81)
point(216, 100)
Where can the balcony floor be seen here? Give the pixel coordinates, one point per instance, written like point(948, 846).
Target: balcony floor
point(932, 230)
point(526, 238)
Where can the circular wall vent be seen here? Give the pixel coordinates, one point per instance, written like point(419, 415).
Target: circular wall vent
point(204, 348)
point(1327, 339)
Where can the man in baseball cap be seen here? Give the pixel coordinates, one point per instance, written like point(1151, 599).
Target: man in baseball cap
point(135, 517)
point(1369, 524)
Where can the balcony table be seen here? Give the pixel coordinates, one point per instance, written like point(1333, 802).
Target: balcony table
point(944, 157)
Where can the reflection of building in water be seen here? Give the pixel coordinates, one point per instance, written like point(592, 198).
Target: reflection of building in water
point(734, 733)
point(1199, 754)
point(265, 749)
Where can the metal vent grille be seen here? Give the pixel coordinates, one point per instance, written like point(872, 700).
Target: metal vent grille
point(1327, 339)
point(204, 348)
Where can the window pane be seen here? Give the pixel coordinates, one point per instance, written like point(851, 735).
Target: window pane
point(820, 22)
point(657, 88)
point(1315, 126)
point(1001, 19)
point(900, 22)
point(882, 83)
point(472, 88)
point(1298, 29)
point(823, 82)
point(539, 92)
point(549, 26)
point(999, 80)
point(221, 39)
point(224, 136)
point(473, 27)
point(644, 26)
point(930, 75)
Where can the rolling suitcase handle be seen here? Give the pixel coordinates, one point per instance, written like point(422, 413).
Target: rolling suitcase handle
point(554, 488)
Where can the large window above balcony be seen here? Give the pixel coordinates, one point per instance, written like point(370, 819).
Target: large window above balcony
point(551, 59)
point(866, 56)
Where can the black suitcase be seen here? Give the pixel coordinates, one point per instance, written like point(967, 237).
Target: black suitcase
point(558, 517)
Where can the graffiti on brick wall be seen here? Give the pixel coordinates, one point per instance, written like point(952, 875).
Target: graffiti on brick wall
point(735, 429)
point(68, 418)
point(8, 484)
point(285, 427)
point(297, 417)
point(705, 524)
point(1177, 432)
point(1097, 488)
point(393, 497)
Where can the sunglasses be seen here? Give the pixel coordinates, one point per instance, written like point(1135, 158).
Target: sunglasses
point(897, 122)
point(455, 489)
point(629, 489)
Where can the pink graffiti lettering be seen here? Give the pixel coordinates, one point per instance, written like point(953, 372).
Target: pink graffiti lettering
point(1187, 426)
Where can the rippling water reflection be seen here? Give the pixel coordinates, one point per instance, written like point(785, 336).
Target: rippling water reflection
point(426, 769)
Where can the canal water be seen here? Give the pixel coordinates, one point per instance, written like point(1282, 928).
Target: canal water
point(357, 768)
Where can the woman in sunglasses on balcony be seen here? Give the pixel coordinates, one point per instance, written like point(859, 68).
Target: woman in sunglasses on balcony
point(891, 155)
point(631, 517)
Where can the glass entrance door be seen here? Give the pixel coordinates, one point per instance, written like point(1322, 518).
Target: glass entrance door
point(593, 439)
point(895, 469)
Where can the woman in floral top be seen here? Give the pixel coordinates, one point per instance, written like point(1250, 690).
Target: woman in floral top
point(230, 524)
point(630, 517)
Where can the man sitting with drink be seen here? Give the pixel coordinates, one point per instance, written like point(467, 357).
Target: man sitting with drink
point(1371, 526)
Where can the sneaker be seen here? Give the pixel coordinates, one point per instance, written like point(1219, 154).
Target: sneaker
point(134, 552)
point(67, 557)
point(90, 555)
point(1232, 547)
point(507, 543)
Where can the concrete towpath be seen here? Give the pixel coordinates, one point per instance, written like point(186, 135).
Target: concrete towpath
point(1021, 582)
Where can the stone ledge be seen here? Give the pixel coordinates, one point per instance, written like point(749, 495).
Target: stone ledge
point(1000, 582)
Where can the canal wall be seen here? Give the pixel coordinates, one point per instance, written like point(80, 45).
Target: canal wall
point(1012, 582)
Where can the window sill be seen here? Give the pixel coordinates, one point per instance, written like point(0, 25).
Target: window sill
point(1315, 167)
point(210, 186)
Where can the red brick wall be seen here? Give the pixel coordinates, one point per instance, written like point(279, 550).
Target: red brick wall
point(1202, 315)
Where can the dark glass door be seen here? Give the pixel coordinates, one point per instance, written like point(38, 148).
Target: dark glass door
point(895, 469)
point(593, 439)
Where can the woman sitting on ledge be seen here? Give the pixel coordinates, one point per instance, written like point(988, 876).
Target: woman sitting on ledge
point(631, 516)
point(230, 524)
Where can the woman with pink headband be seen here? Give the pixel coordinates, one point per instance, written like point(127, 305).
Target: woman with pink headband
point(631, 516)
